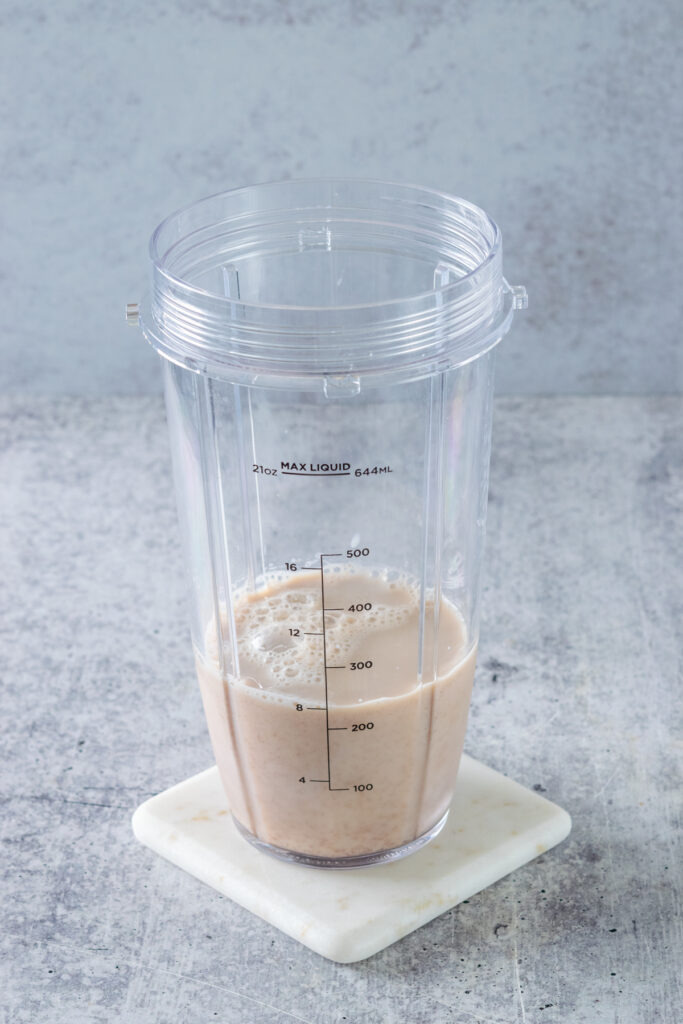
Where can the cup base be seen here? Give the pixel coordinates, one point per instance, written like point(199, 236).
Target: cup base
point(361, 860)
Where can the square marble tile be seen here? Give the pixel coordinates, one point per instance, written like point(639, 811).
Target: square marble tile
point(494, 826)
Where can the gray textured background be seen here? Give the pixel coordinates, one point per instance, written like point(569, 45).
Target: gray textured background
point(578, 694)
point(559, 118)
point(562, 120)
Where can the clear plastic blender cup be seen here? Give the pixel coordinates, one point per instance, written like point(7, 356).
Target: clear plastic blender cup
point(328, 363)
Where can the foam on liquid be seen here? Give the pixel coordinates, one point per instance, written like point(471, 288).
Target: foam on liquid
point(391, 782)
point(273, 659)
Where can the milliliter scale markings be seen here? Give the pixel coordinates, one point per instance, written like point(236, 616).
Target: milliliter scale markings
point(359, 727)
point(327, 668)
point(333, 789)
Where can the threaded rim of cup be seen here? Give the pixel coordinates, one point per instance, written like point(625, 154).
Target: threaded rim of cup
point(465, 311)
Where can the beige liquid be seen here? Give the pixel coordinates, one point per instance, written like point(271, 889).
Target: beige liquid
point(406, 759)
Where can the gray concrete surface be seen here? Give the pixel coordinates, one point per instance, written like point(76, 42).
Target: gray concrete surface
point(561, 119)
point(577, 695)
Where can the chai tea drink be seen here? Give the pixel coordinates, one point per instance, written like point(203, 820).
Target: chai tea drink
point(394, 745)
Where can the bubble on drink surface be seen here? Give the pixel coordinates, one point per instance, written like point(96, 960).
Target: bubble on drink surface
point(252, 683)
point(268, 638)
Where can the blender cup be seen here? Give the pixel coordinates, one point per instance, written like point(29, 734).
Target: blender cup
point(328, 351)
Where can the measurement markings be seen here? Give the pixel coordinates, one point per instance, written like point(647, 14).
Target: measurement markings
point(289, 472)
point(327, 702)
point(323, 608)
point(328, 728)
point(321, 569)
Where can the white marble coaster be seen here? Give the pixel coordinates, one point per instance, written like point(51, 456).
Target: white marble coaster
point(495, 825)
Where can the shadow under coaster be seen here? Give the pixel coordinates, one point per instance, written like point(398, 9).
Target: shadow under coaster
point(495, 826)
